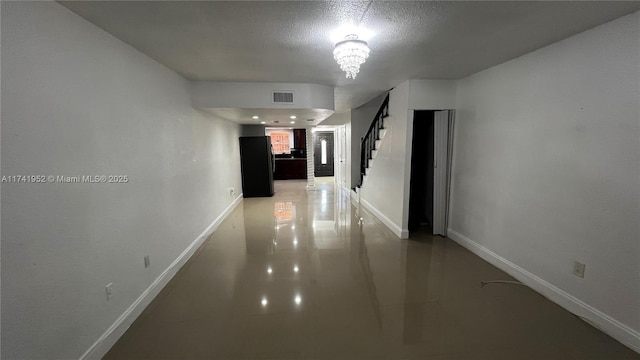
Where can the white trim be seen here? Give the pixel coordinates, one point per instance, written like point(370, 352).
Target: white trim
point(354, 196)
point(344, 189)
point(440, 171)
point(115, 331)
point(602, 321)
point(397, 230)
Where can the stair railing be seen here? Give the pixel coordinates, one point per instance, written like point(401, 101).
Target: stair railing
point(368, 142)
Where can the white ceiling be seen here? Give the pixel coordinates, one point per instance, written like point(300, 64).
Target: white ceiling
point(290, 41)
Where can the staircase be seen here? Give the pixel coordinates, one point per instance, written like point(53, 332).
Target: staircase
point(370, 143)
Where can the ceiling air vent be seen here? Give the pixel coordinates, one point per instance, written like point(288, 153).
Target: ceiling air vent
point(283, 97)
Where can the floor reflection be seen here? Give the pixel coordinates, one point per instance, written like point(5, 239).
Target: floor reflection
point(298, 276)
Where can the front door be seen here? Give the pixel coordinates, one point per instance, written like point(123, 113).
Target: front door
point(323, 153)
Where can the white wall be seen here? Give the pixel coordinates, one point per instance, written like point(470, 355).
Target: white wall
point(432, 94)
point(337, 119)
point(423, 95)
point(77, 101)
point(384, 188)
point(360, 120)
point(212, 94)
point(547, 169)
point(391, 169)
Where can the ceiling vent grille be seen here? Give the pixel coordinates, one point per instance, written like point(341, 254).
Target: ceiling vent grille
point(283, 97)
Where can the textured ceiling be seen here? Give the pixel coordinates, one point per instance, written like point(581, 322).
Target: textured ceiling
point(290, 41)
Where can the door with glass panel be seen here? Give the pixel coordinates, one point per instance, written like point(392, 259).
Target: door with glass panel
point(323, 153)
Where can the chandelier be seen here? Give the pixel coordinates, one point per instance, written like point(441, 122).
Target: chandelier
point(350, 54)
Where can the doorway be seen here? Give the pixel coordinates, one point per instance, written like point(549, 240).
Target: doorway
point(421, 183)
point(323, 154)
point(341, 156)
point(430, 171)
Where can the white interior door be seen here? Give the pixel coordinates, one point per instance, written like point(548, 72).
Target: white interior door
point(341, 160)
point(443, 125)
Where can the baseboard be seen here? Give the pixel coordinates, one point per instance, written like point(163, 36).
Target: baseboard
point(397, 230)
point(602, 321)
point(354, 196)
point(115, 331)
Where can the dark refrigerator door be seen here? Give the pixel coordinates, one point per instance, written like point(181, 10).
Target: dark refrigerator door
point(256, 165)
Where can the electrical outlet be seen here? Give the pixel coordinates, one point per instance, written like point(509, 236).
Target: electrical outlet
point(578, 269)
point(109, 291)
point(147, 262)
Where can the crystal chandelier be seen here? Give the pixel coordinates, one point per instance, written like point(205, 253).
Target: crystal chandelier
point(350, 54)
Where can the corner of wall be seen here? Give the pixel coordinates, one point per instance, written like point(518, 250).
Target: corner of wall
point(503, 181)
point(124, 321)
point(388, 170)
point(598, 319)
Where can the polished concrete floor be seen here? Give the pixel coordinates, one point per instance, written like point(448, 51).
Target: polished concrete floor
point(297, 276)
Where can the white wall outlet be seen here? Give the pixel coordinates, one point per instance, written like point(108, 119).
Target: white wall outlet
point(147, 261)
point(232, 191)
point(578, 269)
point(109, 290)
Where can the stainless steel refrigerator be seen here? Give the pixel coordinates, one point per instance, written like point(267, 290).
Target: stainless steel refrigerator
point(257, 164)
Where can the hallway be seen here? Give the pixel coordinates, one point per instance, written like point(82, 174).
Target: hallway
point(296, 277)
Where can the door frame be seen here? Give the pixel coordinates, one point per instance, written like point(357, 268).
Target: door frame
point(340, 154)
point(331, 131)
point(445, 154)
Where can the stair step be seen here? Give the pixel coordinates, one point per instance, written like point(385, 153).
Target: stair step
point(374, 149)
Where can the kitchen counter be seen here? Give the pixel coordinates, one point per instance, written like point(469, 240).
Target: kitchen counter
point(290, 168)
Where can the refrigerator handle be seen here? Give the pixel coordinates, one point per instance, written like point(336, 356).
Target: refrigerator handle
point(273, 160)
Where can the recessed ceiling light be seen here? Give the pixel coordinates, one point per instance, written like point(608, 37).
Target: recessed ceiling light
point(255, 117)
point(263, 122)
point(293, 122)
point(292, 117)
